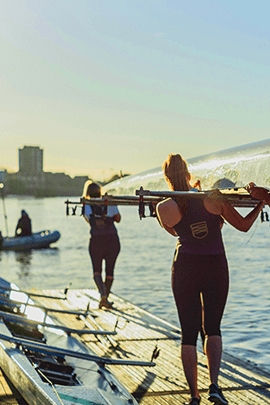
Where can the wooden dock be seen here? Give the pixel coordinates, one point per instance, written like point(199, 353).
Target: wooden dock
point(139, 333)
point(8, 393)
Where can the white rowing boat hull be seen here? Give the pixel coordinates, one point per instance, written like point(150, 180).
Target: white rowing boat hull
point(96, 385)
point(18, 369)
point(235, 167)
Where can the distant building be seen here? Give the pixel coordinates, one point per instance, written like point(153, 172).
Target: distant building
point(31, 168)
point(32, 180)
point(31, 160)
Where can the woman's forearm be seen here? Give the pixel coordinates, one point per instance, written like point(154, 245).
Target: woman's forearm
point(253, 215)
point(243, 224)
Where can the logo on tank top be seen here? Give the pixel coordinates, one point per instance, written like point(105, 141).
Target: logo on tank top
point(199, 230)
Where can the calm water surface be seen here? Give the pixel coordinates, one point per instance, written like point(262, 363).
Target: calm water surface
point(142, 273)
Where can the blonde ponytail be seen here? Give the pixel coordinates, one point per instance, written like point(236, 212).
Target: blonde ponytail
point(176, 174)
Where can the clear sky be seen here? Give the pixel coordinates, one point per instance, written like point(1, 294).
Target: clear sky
point(110, 85)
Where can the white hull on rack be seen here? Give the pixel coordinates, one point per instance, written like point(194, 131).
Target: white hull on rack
point(56, 368)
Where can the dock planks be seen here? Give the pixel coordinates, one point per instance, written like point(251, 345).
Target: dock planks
point(8, 393)
point(138, 334)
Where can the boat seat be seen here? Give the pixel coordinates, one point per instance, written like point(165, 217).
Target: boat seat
point(57, 373)
point(53, 368)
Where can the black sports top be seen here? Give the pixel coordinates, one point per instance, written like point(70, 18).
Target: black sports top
point(199, 230)
point(101, 224)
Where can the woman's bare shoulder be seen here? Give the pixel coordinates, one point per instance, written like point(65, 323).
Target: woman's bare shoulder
point(165, 204)
point(169, 213)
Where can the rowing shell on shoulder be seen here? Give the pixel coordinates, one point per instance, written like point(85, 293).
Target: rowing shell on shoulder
point(228, 171)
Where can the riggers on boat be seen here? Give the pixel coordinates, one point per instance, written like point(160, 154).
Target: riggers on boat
point(47, 365)
point(37, 240)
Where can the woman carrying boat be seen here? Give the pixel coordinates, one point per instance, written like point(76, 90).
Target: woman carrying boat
point(199, 269)
point(104, 242)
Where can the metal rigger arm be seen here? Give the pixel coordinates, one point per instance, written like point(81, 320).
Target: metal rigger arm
point(238, 197)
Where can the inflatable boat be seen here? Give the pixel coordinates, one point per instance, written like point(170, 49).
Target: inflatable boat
point(37, 240)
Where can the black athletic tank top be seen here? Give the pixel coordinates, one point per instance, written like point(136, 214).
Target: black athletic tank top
point(100, 223)
point(199, 230)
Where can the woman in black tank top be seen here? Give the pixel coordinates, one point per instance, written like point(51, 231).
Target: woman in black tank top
point(199, 271)
point(104, 244)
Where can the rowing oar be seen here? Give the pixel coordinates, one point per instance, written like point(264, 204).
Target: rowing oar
point(43, 348)
point(14, 303)
point(31, 294)
point(31, 322)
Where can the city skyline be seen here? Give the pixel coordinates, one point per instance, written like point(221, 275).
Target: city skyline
point(23, 160)
point(118, 88)
point(24, 157)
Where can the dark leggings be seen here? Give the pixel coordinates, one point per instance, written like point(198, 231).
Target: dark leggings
point(104, 248)
point(197, 279)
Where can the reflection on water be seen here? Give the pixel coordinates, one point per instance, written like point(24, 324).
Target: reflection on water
point(50, 251)
point(24, 259)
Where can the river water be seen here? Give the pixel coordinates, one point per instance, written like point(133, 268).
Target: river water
point(142, 273)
